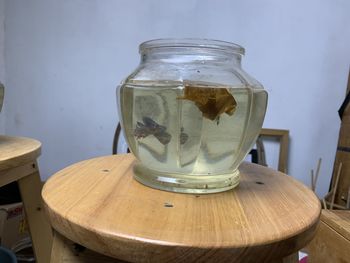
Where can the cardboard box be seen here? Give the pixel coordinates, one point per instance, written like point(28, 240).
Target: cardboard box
point(13, 226)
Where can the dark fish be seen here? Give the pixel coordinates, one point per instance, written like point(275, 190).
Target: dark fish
point(141, 131)
point(153, 126)
point(163, 137)
point(150, 127)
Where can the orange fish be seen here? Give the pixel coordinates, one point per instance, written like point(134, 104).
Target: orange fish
point(212, 102)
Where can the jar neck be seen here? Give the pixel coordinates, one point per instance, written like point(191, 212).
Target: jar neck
point(187, 55)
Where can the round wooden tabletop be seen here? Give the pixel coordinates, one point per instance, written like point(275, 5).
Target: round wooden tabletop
point(98, 204)
point(15, 151)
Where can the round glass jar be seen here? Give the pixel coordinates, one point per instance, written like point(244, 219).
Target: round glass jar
point(190, 114)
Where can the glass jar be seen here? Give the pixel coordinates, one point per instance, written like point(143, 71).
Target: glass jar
point(190, 114)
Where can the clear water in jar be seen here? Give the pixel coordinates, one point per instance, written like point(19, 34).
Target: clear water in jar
point(180, 149)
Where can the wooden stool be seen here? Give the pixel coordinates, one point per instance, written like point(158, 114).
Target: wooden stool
point(98, 204)
point(18, 163)
point(332, 239)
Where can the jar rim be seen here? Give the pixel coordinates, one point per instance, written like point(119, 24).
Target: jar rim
point(191, 43)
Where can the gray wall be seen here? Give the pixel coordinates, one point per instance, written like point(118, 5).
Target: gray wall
point(64, 59)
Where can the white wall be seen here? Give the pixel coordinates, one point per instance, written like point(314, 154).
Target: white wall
point(64, 59)
point(2, 59)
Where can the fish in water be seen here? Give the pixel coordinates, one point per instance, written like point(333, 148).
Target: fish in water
point(150, 127)
point(183, 136)
point(212, 102)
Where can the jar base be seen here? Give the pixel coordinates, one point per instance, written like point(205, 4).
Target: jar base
point(190, 184)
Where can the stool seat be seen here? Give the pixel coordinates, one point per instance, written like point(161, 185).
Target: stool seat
point(18, 163)
point(332, 239)
point(17, 153)
point(98, 204)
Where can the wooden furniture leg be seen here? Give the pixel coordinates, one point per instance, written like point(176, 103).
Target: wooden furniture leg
point(63, 250)
point(40, 229)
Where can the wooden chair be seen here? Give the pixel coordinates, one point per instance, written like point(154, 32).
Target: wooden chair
point(116, 139)
point(283, 138)
point(18, 163)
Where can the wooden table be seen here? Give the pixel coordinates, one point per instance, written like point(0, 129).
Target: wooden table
point(98, 204)
point(18, 163)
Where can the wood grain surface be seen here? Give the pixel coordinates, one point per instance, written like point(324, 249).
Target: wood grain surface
point(332, 240)
point(16, 151)
point(98, 204)
point(338, 220)
point(64, 250)
point(39, 227)
point(18, 163)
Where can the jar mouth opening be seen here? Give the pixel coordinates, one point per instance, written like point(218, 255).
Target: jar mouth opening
point(210, 44)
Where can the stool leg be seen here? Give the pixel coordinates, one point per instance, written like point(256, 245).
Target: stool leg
point(64, 250)
point(59, 249)
point(39, 227)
